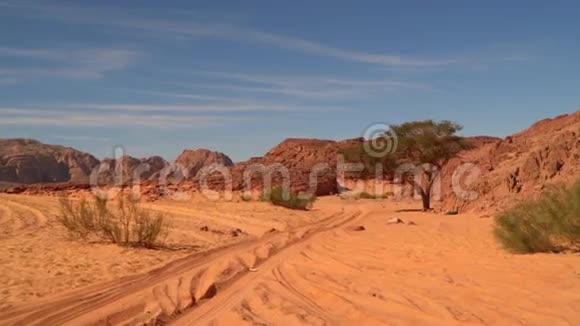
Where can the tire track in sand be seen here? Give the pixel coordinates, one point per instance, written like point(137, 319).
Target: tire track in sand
point(18, 217)
point(184, 285)
point(236, 293)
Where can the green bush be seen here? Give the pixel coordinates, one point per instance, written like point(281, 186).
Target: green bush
point(366, 195)
point(293, 201)
point(127, 224)
point(357, 154)
point(548, 224)
point(266, 195)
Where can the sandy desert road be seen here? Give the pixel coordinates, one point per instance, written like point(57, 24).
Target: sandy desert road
point(443, 270)
point(160, 295)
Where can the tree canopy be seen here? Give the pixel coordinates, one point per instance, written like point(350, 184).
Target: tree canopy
point(428, 141)
point(428, 145)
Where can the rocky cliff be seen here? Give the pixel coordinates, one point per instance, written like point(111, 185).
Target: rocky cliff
point(192, 161)
point(128, 169)
point(292, 160)
point(519, 166)
point(29, 161)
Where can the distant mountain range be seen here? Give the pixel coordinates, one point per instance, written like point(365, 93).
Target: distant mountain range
point(510, 169)
point(27, 161)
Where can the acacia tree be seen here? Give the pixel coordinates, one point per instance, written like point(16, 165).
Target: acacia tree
point(429, 144)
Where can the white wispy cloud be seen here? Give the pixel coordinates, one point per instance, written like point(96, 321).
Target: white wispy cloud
point(290, 91)
point(149, 115)
point(194, 30)
point(305, 86)
point(190, 96)
point(50, 54)
point(67, 63)
point(293, 80)
point(116, 120)
point(303, 45)
point(81, 138)
point(180, 108)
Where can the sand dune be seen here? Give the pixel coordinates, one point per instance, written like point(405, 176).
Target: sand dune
point(314, 268)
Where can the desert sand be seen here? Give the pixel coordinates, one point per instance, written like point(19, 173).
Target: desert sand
point(285, 268)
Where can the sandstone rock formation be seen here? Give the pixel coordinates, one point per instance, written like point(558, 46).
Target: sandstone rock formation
point(510, 170)
point(127, 169)
point(194, 160)
point(291, 161)
point(29, 161)
point(520, 166)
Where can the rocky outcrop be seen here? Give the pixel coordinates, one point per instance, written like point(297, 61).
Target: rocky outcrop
point(305, 164)
point(493, 174)
point(292, 161)
point(518, 167)
point(192, 161)
point(129, 170)
point(29, 161)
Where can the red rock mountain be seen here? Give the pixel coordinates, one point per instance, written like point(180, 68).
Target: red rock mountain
point(128, 169)
point(298, 156)
point(511, 169)
point(520, 166)
point(29, 161)
point(194, 160)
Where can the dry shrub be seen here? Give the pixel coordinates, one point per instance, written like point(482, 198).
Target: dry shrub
point(127, 224)
point(548, 224)
point(246, 196)
point(366, 195)
point(279, 197)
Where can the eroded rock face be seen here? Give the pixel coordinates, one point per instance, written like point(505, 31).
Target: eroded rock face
point(510, 170)
point(292, 161)
point(192, 161)
point(520, 166)
point(128, 170)
point(29, 161)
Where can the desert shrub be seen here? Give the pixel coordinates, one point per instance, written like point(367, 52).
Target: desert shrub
point(80, 218)
point(149, 229)
point(292, 201)
point(246, 196)
point(127, 224)
point(266, 195)
point(549, 223)
point(366, 195)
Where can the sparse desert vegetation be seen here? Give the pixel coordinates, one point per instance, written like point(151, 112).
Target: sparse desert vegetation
point(40, 257)
point(289, 163)
point(357, 153)
point(126, 224)
point(547, 224)
point(279, 197)
point(281, 258)
point(368, 195)
point(268, 257)
point(424, 146)
point(246, 196)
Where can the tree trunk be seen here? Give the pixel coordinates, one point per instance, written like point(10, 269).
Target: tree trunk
point(426, 194)
point(426, 198)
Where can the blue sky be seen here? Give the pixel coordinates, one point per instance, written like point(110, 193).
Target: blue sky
point(240, 76)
